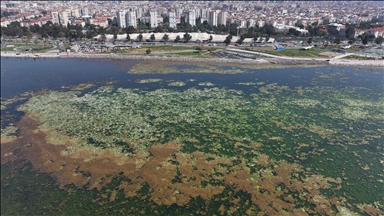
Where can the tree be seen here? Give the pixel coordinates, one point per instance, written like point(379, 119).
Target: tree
point(158, 29)
point(177, 38)
point(309, 40)
point(301, 26)
point(130, 29)
point(128, 38)
point(350, 32)
point(114, 22)
point(351, 41)
point(210, 38)
point(115, 36)
point(140, 37)
point(364, 38)
point(152, 37)
point(294, 32)
point(337, 40)
point(240, 41)
point(228, 40)
point(333, 31)
point(266, 39)
point(165, 38)
point(255, 37)
point(187, 37)
point(148, 51)
point(103, 37)
point(379, 40)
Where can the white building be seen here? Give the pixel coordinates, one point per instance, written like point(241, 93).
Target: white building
point(172, 19)
point(205, 13)
point(212, 19)
point(55, 17)
point(153, 18)
point(75, 12)
point(179, 11)
point(84, 11)
point(222, 18)
point(192, 18)
point(139, 13)
point(121, 21)
point(63, 15)
point(131, 20)
point(251, 23)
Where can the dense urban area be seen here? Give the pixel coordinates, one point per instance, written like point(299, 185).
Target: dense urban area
point(271, 26)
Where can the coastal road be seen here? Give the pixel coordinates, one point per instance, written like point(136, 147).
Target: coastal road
point(272, 56)
point(342, 56)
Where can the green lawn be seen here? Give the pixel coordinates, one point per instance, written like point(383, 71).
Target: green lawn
point(35, 47)
point(358, 57)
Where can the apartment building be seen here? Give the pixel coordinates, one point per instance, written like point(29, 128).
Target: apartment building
point(222, 18)
point(63, 17)
point(121, 21)
point(131, 19)
point(172, 19)
point(192, 18)
point(153, 18)
point(212, 19)
point(55, 17)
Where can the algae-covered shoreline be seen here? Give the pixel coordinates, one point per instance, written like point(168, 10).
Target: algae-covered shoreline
point(202, 145)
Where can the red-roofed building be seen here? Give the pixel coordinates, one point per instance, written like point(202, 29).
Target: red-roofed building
point(376, 31)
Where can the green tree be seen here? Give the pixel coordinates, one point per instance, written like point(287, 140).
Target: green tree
point(210, 38)
point(177, 38)
point(148, 51)
point(309, 40)
point(103, 37)
point(115, 36)
point(152, 37)
point(128, 38)
point(350, 32)
point(165, 38)
point(333, 31)
point(266, 39)
point(364, 38)
point(240, 41)
point(337, 40)
point(227, 40)
point(187, 37)
point(379, 40)
point(140, 37)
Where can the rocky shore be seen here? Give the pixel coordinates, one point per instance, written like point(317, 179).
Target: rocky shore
point(298, 61)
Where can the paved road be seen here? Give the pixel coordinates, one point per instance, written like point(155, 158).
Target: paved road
point(273, 56)
point(342, 56)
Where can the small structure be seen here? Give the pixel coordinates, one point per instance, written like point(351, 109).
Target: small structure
point(307, 47)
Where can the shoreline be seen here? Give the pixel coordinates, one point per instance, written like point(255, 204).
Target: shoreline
point(274, 62)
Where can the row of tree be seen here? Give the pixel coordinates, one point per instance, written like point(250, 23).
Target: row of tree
point(76, 32)
point(186, 37)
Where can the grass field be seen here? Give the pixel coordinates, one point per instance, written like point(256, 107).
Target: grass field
point(358, 57)
point(35, 47)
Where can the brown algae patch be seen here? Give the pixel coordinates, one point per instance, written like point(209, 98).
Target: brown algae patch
point(175, 177)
